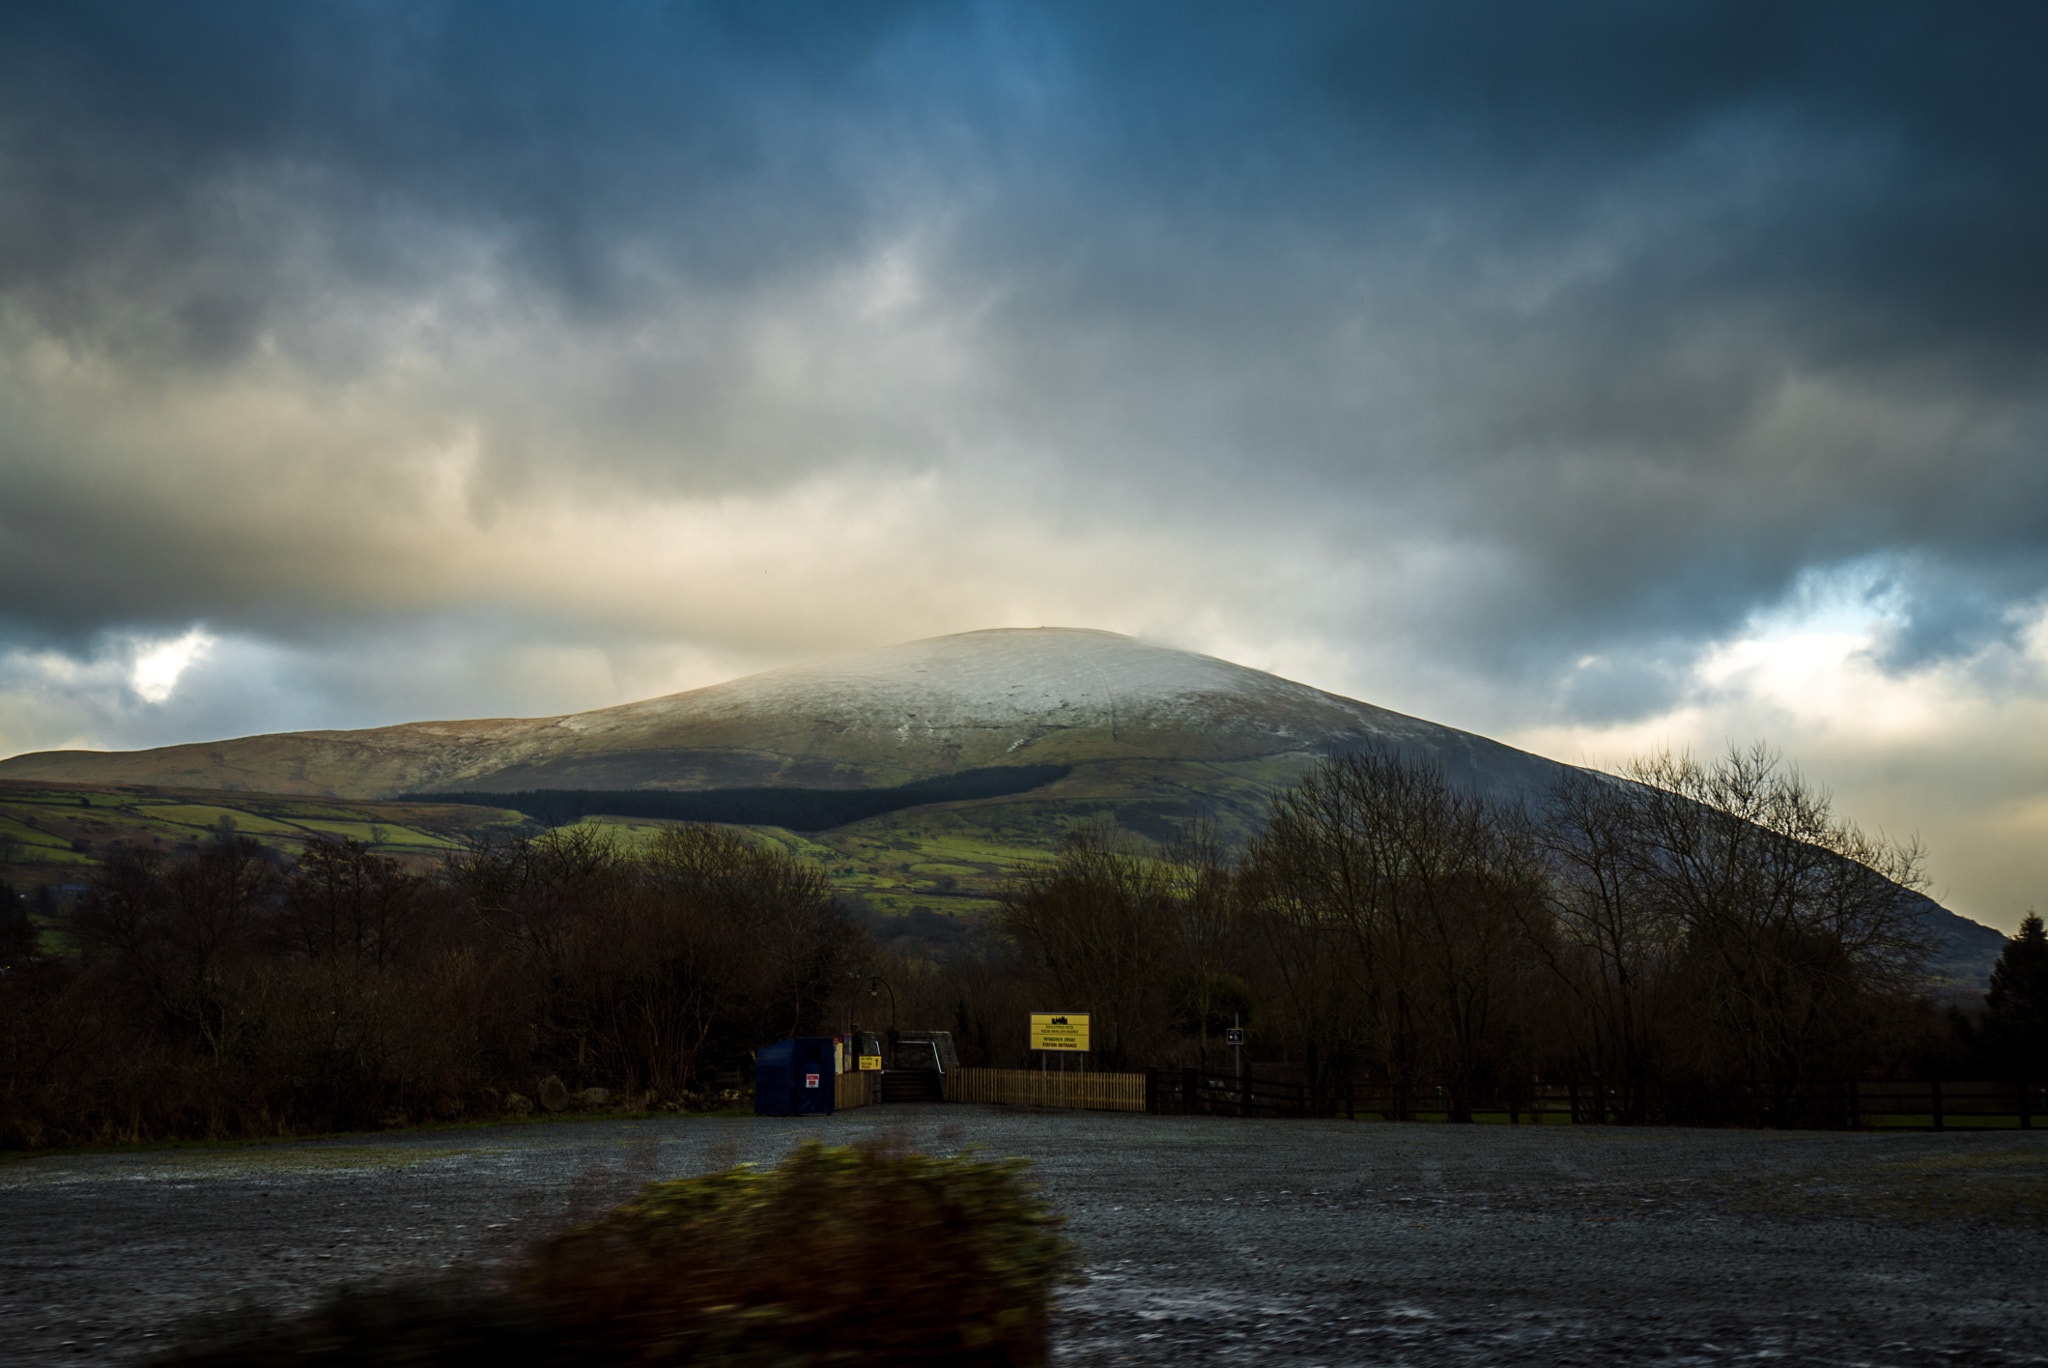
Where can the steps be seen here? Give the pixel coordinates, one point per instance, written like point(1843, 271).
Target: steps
point(911, 1085)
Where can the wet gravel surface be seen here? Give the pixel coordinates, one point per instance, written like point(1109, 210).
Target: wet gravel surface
point(1207, 1241)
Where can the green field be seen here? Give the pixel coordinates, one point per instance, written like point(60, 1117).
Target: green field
point(894, 871)
point(953, 859)
point(55, 833)
point(956, 859)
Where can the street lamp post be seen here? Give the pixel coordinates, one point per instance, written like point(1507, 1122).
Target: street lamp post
point(875, 985)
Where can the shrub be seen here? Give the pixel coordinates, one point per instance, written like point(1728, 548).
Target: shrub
point(846, 1256)
point(840, 1254)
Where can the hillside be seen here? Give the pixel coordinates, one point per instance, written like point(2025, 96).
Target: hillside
point(1039, 696)
point(1144, 735)
point(52, 834)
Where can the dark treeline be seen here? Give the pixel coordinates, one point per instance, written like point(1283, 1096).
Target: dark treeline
point(798, 809)
point(227, 991)
point(1683, 926)
point(1686, 926)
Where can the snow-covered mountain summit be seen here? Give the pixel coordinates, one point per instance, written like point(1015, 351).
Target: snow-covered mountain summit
point(1005, 696)
point(984, 697)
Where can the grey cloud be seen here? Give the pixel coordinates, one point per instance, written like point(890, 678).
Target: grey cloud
point(1952, 613)
point(1615, 319)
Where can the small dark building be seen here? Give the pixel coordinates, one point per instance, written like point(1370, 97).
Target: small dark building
point(794, 1077)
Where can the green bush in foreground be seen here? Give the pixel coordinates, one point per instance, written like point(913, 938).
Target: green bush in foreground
point(835, 1256)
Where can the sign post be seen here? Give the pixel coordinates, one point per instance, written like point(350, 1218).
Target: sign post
point(1066, 1031)
point(1236, 1037)
point(1061, 1033)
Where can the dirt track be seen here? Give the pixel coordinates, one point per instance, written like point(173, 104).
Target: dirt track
point(1207, 1240)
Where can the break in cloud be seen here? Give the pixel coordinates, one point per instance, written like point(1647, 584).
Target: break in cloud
point(1594, 376)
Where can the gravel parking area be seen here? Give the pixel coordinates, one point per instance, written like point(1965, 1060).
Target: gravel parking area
point(1207, 1241)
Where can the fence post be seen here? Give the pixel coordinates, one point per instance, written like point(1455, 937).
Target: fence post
point(1351, 1107)
point(2026, 1116)
point(1934, 1086)
point(1855, 1105)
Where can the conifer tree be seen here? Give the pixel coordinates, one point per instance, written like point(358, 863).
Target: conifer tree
point(2016, 1008)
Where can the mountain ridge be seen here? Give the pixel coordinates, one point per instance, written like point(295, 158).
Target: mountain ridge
point(1149, 736)
point(877, 718)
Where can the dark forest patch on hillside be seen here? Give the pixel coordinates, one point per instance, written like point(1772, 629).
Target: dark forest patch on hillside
point(798, 809)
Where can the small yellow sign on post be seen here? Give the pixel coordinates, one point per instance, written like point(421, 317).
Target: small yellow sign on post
point(1059, 1031)
point(870, 1063)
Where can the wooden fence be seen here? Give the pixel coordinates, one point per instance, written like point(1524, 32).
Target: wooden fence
point(1031, 1088)
point(1813, 1104)
point(856, 1090)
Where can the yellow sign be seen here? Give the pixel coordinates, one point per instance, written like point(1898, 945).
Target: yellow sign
point(1059, 1030)
point(870, 1063)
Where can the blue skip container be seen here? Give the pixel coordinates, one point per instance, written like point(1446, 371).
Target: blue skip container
point(794, 1077)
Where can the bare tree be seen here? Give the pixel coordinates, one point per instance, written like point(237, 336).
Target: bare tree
point(1421, 884)
point(1794, 920)
point(794, 944)
point(342, 900)
point(1201, 900)
point(1607, 940)
point(175, 933)
point(1097, 926)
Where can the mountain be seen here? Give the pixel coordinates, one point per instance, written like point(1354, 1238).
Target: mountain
point(1028, 696)
point(1145, 735)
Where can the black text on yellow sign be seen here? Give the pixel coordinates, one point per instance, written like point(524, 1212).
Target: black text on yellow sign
point(1059, 1030)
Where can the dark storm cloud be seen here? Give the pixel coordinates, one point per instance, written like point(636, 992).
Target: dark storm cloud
point(1675, 302)
point(1634, 313)
point(1893, 150)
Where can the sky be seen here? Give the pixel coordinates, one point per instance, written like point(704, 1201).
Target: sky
point(1599, 377)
